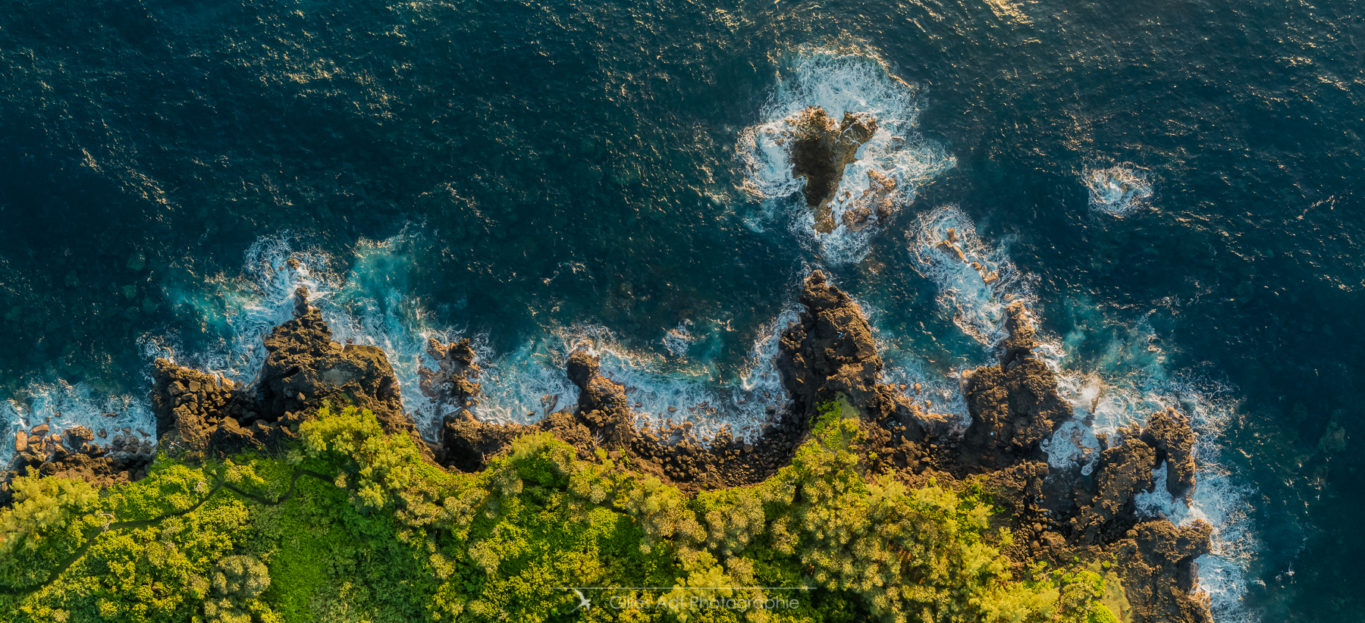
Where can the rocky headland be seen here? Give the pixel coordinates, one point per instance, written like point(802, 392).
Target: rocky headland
point(828, 354)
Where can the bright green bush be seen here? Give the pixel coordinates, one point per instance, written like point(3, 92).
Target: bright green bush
point(352, 524)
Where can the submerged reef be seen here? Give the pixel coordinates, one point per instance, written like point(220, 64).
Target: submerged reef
point(873, 506)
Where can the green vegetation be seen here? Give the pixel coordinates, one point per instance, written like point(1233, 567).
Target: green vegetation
point(350, 524)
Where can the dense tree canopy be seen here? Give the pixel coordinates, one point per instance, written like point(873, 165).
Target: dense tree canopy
point(350, 524)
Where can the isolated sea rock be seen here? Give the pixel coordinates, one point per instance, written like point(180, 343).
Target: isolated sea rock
point(875, 203)
point(820, 150)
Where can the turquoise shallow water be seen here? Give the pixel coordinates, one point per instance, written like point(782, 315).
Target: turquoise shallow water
point(1172, 187)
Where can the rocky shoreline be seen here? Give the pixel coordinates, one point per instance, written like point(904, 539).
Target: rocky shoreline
point(1056, 514)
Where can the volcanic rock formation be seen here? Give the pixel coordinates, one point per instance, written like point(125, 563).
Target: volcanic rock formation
point(828, 355)
point(820, 149)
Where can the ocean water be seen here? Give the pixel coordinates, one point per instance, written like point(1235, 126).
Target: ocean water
point(1171, 189)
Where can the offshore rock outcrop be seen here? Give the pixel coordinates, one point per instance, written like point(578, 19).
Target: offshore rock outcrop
point(820, 150)
point(828, 355)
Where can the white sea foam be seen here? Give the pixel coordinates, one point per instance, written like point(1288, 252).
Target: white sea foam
point(368, 303)
point(840, 83)
point(1130, 381)
point(694, 392)
point(526, 384)
point(975, 282)
point(1118, 190)
point(678, 340)
point(1130, 384)
point(64, 405)
point(1073, 443)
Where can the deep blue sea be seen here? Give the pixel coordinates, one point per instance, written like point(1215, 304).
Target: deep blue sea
point(1173, 188)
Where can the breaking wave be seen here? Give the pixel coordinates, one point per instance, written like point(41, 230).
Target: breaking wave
point(1118, 190)
point(975, 282)
point(1128, 383)
point(897, 160)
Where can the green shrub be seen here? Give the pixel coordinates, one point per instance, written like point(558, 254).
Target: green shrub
point(353, 525)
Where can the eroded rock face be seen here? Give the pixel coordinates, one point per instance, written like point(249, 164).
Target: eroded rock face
point(1014, 406)
point(602, 404)
point(830, 352)
point(1169, 434)
point(304, 369)
point(73, 453)
point(1061, 514)
point(820, 149)
point(1156, 563)
point(467, 443)
point(875, 203)
point(1123, 472)
point(1012, 411)
point(603, 420)
point(464, 442)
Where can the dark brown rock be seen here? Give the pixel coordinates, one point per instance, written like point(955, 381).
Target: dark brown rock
point(1014, 406)
point(1155, 561)
point(1123, 472)
point(189, 403)
point(1169, 433)
point(830, 350)
point(820, 150)
point(602, 403)
point(305, 369)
